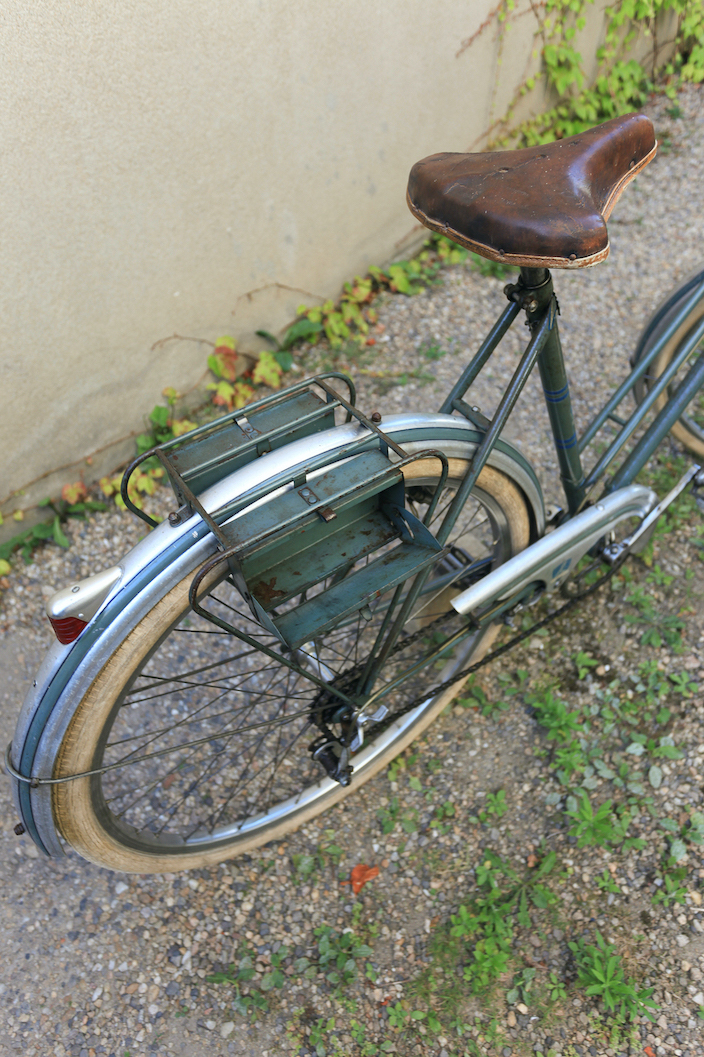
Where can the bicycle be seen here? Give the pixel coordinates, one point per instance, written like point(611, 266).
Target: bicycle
point(328, 579)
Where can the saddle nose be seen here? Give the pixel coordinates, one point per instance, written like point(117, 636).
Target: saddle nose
point(544, 206)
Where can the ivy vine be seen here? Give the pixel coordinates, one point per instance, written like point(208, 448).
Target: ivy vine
point(622, 83)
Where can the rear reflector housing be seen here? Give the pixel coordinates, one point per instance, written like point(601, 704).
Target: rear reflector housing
point(71, 608)
point(67, 629)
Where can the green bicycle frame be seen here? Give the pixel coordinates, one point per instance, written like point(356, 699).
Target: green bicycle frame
point(534, 293)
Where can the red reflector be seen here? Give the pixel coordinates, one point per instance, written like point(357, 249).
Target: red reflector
point(67, 629)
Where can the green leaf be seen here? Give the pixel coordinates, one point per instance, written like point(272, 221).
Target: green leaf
point(284, 360)
point(678, 849)
point(268, 336)
point(669, 751)
point(655, 776)
point(159, 417)
point(267, 371)
point(59, 535)
point(299, 331)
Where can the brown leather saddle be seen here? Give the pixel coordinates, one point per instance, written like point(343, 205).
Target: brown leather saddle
point(541, 207)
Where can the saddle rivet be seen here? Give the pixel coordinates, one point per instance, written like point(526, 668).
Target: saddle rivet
point(573, 256)
point(174, 517)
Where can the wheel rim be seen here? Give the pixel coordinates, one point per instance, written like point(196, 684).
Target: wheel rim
point(208, 773)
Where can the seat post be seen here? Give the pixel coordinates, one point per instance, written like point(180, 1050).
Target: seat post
point(538, 299)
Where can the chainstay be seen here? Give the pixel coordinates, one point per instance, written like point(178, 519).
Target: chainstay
point(499, 651)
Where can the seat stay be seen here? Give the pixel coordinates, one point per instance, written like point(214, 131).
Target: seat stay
point(535, 294)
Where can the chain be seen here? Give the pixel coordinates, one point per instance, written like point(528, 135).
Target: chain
point(499, 651)
point(349, 678)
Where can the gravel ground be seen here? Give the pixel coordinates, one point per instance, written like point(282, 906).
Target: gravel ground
point(96, 963)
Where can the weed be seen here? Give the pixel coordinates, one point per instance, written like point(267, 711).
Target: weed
point(671, 889)
point(388, 816)
point(317, 1035)
point(338, 954)
point(583, 663)
point(522, 983)
point(682, 684)
point(496, 805)
point(306, 866)
point(275, 977)
point(74, 503)
point(494, 269)
point(659, 628)
point(602, 826)
point(248, 1000)
point(486, 924)
point(607, 884)
point(557, 989)
point(657, 576)
point(397, 1016)
point(443, 812)
point(600, 972)
point(432, 352)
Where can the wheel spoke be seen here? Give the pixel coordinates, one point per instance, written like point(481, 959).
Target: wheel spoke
point(212, 733)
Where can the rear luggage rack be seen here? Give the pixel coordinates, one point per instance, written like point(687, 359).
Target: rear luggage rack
point(205, 455)
point(318, 521)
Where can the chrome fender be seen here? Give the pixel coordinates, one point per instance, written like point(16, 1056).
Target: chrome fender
point(549, 561)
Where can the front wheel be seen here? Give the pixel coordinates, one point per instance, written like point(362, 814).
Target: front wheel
point(206, 740)
point(689, 429)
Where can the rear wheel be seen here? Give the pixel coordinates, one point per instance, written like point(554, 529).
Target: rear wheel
point(211, 736)
point(689, 429)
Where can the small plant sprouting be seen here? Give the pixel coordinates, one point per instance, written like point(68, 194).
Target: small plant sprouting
point(338, 955)
point(671, 891)
point(601, 974)
point(495, 805)
point(74, 503)
point(607, 884)
point(602, 826)
point(659, 629)
point(583, 663)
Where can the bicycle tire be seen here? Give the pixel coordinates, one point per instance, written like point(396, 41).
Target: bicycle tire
point(80, 811)
point(689, 428)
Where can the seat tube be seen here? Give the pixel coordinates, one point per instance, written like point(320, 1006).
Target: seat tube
point(540, 298)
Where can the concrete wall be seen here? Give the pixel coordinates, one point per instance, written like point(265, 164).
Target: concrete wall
point(199, 167)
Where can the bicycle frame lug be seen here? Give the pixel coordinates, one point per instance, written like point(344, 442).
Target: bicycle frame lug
point(612, 552)
point(553, 513)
